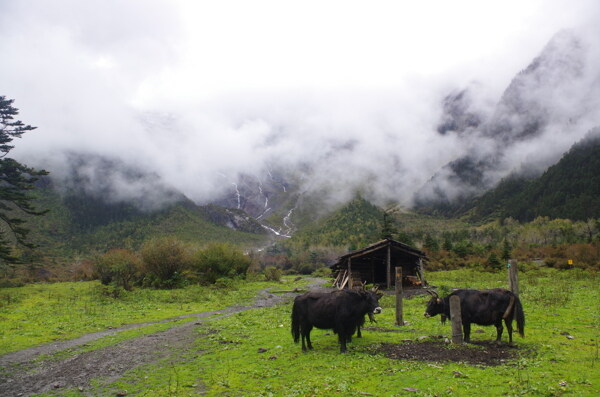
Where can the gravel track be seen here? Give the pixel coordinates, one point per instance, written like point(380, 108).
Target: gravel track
point(24, 373)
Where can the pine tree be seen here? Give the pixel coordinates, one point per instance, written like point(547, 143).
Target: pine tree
point(506, 251)
point(16, 181)
point(388, 230)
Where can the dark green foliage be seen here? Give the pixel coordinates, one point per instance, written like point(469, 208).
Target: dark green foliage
point(463, 248)
point(388, 229)
point(493, 261)
point(219, 260)
point(430, 243)
point(16, 181)
point(448, 246)
point(164, 261)
point(506, 251)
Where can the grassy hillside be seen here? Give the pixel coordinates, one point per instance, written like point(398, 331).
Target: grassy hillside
point(81, 225)
point(356, 223)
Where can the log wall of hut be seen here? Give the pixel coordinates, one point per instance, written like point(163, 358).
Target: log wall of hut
point(373, 268)
point(371, 263)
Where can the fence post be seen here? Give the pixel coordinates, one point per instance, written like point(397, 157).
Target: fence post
point(455, 315)
point(399, 293)
point(513, 276)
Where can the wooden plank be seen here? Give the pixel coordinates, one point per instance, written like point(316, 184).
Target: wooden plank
point(388, 261)
point(350, 285)
point(399, 295)
point(455, 315)
point(344, 282)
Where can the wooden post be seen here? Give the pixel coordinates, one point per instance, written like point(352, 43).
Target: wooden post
point(399, 293)
point(513, 277)
point(350, 273)
point(457, 333)
point(389, 267)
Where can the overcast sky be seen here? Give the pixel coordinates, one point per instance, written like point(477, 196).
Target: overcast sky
point(193, 90)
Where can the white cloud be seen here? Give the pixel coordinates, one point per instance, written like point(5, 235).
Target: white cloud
point(350, 87)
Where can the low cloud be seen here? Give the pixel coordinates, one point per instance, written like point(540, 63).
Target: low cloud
point(190, 93)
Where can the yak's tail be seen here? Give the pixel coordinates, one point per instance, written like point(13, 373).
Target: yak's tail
point(520, 316)
point(296, 323)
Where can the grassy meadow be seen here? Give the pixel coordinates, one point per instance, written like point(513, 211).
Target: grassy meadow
point(252, 353)
point(47, 312)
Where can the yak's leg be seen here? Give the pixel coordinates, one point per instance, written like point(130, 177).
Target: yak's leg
point(308, 338)
point(303, 343)
point(509, 328)
point(467, 332)
point(342, 339)
point(358, 334)
point(305, 331)
point(499, 330)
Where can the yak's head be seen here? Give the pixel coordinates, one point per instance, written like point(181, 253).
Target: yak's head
point(372, 300)
point(435, 305)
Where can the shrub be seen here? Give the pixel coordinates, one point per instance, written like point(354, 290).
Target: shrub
point(220, 260)
point(273, 273)
point(164, 260)
point(120, 267)
point(324, 272)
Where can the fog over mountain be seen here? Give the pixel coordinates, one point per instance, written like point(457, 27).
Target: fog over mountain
point(547, 107)
point(392, 100)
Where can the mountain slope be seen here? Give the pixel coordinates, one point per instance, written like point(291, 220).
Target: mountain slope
point(84, 223)
point(554, 94)
point(355, 224)
point(569, 189)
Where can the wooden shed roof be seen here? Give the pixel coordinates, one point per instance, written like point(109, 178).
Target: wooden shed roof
point(395, 246)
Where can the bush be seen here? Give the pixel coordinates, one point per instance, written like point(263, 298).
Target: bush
point(120, 267)
point(220, 260)
point(165, 260)
point(273, 273)
point(324, 272)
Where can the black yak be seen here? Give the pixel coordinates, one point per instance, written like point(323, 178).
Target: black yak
point(483, 307)
point(342, 311)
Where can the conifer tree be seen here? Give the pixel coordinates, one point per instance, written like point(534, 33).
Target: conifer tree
point(388, 229)
point(16, 182)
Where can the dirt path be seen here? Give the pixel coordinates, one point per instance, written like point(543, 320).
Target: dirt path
point(22, 373)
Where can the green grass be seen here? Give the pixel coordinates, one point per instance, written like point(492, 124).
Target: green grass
point(42, 313)
point(225, 359)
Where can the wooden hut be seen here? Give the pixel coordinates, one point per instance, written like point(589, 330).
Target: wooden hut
point(376, 263)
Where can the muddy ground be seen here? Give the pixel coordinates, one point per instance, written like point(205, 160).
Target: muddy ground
point(44, 368)
point(480, 353)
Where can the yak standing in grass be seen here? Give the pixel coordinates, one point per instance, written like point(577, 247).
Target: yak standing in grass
point(485, 307)
point(342, 311)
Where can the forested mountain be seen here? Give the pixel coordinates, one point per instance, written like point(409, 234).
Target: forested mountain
point(569, 189)
point(353, 225)
point(83, 223)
